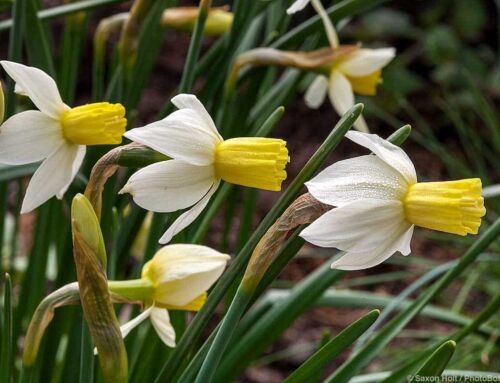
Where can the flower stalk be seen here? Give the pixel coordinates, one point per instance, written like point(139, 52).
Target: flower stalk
point(318, 61)
point(131, 155)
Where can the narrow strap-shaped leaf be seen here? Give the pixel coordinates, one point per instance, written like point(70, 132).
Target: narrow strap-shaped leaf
point(188, 73)
point(39, 50)
point(63, 10)
point(435, 365)
point(7, 351)
point(410, 367)
point(334, 347)
point(378, 342)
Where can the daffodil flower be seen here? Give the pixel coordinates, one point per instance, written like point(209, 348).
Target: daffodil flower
point(56, 134)
point(379, 201)
point(179, 277)
point(358, 71)
point(200, 160)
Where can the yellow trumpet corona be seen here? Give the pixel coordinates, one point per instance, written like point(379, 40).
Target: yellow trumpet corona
point(453, 207)
point(99, 123)
point(252, 161)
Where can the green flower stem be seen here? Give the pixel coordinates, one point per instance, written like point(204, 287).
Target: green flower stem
point(188, 73)
point(133, 290)
point(66, 295)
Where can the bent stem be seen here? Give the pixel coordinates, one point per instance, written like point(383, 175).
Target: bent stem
point(66, 295)
point(135, 291)
point(305, 209)
point(131, 155)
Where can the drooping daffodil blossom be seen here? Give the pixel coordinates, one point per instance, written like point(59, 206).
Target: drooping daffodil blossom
point(201, 158)
point(176, 278)
point(378, 201)
point(357, 71)
point(56, 134)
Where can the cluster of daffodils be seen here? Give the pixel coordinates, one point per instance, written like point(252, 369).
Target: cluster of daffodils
point(201, 158)
point(355, 70)
point(379, 201)
point(177, 278)
point(55, 134)
point(376, 198)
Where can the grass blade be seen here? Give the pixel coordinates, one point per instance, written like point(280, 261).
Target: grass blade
point(435, 365)
point(7, 352)
point(377, 343)
point(334, 347)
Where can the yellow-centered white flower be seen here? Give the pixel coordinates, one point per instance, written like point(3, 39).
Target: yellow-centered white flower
point(357, 72)
point(56, 134)
point(200, 160)
point(379, 201)
point(180, 276)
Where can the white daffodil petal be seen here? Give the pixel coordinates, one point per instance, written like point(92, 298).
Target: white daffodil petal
point(169, 185)
point(20, 91)
point(389, 153)
point(364, 177)
point(189, 216)
point(190, 101)
point(316, 92)
point(161, 323)
point(38, 86)
point(51, 177)
point(340, 93)
point(29, 137)
point(184, 272)
point(181, 135)
point(366, 61)
point(358, 226)
point(130, 325)
point(399, 241)
point(77, 163)
point(297, 6)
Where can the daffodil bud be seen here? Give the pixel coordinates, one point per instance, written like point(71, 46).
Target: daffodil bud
point(90, 259)
point(219, 20)
point(86, 229)
point(176, 278)
point(181, 275)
